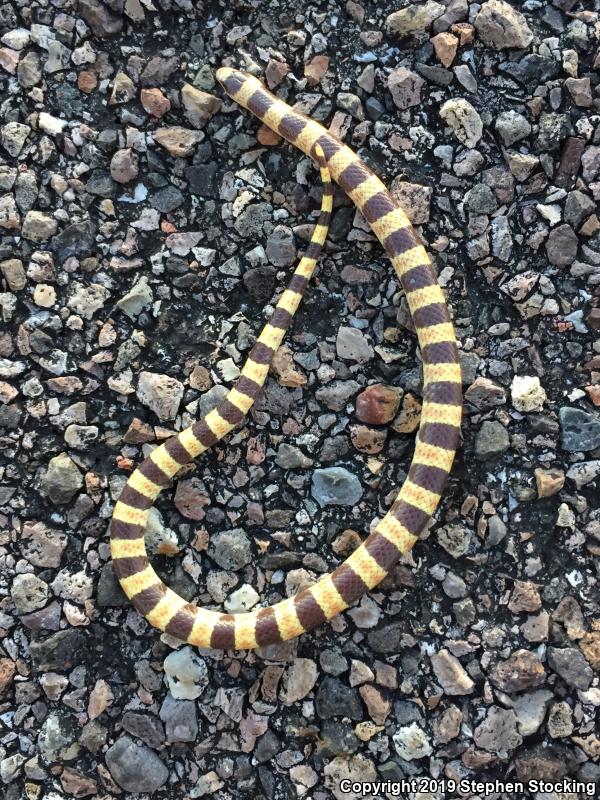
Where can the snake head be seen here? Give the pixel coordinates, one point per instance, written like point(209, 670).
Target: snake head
point(231, 80)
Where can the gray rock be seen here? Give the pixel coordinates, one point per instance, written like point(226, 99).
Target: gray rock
point(42, 546)
point(450, 673)
point(336, 486)
point(137, 299)
point(561, 246)
point(336, 394)
point(411, 742)
point(352, 345)
point(415, 18)
point(29, 71)
point(62, 480)
point(124, 165)
point(502, 26)
point(28, 592)
point(266, 747)
point(572, 667)
point(167, 199)
point(281, 250)
point(578, 207)
point(498, 732)
point(530, 710)
point(13, 136)
point(77, 240)
point(135, 767)
point(290, 457)
point(250, 222)
point(109, 592)
point(146, 727)
point(335, 699)
point(160, 393)
point(481, 199)
point(491, 441)
point(231, 550)
point(38, 227)
point(102, 22)
point(580, 430)
point(57, 740)
point(179, 716)
point(512, 127)
point(61, 651)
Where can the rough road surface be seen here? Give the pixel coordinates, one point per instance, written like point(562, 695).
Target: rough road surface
point(147, 225)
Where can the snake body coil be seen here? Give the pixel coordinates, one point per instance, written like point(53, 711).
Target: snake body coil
point(436, 442)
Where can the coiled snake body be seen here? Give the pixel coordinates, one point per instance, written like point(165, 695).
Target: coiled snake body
point(436, 442)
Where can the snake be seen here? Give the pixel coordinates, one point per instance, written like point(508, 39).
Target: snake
point(436, 441)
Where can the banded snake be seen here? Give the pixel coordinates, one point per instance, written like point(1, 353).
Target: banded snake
point(436, 442)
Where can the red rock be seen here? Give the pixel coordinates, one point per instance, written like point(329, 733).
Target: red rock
point(524, 597)
point(593, 392)
point(76, 784)
point(378, 404)
point(267, 137)
point(464, 31)
point(367, 440)
point(407, 420)
point(445, 45)
point(87, 81)
point(7, 672)
point(315, 69)
point(191, 499)
point(377, 705)
point(154, 102)
point(346, 542)
point(275, 73)
point(138, 432)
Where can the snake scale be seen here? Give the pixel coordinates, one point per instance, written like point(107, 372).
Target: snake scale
point(436, 442)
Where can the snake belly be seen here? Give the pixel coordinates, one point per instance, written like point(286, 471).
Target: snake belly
point(436, 441)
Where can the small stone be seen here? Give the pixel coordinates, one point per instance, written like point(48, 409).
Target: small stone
point(378, 404)
point(527, 393)
point(584, 472)
point(447, 727)
point(450, 674)
point(62, 480)
point(367, 440)
point(498, 732)
point(530, 710)
point(87, 81)
point(560, 720)
point(28, 593)
point(154, 102)
point(291, 457)
point(411, 742)
point(38, 227)
point(280, 249)
point(102, 22)
point(86, 299)
point(124, 166)
point(186, 674)
point(352, 345)
point(590, 647)
point(580, 430)
point(61, 651)
point(44, 295)
point(242, 600)
point(407, 420)
point(502, 26)
point(14, 274)
point(7, 672)
point(535, 629)
point(455, 539)
point(414, 199)
point(13, 136)
point(179, 716)
point(198, 106)
point(414, 19)
point(135, 767)
point(580, 90)
point(512, 127)
point(101, 697)
point(524, 597)
point(275, 73)
point(491, 441)
point(405, 87)
point(483, 394)
point(316, 69)
point(160, 393)
point(522, 670)
point(298, 680)
point(336, 486)
point(464, 121)
point(445, 45)
point(562, 245)
point(123, 89)
point(231, 550)
point(177, 141)
point(549, 481)
point(335, 699)
point(572, 667)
